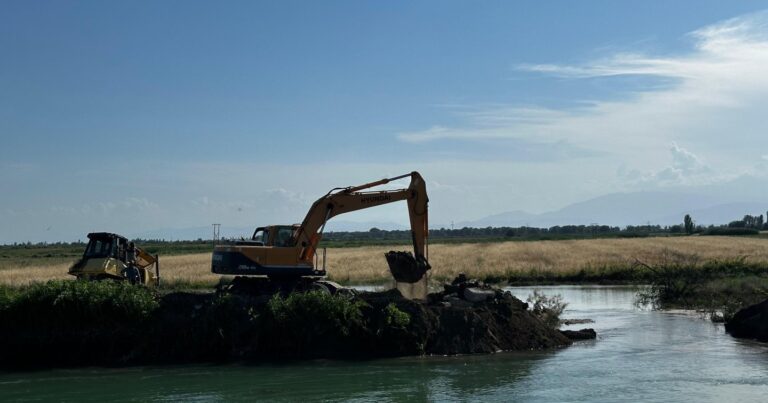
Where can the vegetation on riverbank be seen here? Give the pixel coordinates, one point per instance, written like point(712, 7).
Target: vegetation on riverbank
point(717, 287)
point(65, 323)
point(66, 302)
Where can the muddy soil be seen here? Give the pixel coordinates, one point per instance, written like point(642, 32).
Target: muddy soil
point(501, 323)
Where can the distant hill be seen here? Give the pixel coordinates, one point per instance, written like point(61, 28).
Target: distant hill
point(711, 204)
point(636, 208)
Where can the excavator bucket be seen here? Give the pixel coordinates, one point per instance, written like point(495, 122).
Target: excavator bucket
point(405, 268)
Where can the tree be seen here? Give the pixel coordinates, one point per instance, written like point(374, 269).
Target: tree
point(688, 222)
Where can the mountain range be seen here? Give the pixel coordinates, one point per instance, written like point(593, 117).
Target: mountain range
point(712, 204)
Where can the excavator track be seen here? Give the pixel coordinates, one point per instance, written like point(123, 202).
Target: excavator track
point(284, 285)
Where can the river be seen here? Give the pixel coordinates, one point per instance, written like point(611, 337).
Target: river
point(640, 355)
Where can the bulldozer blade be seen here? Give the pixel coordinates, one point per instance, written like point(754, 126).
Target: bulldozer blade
point(405, 268)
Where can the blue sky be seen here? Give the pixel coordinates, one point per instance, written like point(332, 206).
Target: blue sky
point(142, 115)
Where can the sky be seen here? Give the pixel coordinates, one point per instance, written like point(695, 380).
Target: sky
point(137, 116)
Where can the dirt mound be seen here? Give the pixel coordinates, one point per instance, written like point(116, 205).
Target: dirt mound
point(750, 322)
point(372, 324)
point(467, 317)
point(452, 324)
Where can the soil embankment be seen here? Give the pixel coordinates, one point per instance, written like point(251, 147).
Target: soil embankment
point(189, 327)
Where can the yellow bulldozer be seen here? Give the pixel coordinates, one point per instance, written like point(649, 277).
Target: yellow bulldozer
point(285, 258)
point(111, 256)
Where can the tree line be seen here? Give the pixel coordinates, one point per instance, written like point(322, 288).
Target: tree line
point(749, 224)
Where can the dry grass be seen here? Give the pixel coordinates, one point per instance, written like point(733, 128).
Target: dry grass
point(23, 275)
point(174, 270)
point(367, 264)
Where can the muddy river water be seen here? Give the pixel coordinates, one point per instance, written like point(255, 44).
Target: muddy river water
point(640, 355)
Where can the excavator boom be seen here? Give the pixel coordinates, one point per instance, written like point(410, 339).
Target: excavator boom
point(340, 201)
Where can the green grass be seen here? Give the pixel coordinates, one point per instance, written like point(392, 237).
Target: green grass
point(331, 314)
point(71, 302)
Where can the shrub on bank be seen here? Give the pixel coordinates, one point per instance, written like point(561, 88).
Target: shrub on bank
point(719, 286)
point(396, 318)
point(78, 302)
point(548, 309)
point(302, 322)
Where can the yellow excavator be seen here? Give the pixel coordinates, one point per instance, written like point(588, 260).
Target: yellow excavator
point(110, 256)
point(285, 258)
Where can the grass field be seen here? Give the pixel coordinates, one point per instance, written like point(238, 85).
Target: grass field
point(590, 260)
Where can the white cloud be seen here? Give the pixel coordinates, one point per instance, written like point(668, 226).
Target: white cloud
point(715, 101)
point(686, 161)
point(127, 206)
point(686, 168)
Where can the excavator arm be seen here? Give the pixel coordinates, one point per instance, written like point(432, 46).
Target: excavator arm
point(353, 198)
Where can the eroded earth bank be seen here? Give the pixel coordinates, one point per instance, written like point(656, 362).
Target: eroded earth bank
point(72, 323)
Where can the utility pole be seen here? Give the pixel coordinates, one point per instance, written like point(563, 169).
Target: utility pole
point(216, 228)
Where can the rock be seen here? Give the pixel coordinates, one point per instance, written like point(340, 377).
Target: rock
point(750, 322)
point(460, 279)
point(575, 321)
point(583, 334)
point(478, 294)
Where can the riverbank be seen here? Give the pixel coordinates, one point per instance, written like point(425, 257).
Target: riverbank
point(76, 323)
point(640, 354)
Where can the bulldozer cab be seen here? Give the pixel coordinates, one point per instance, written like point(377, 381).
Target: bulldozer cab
point(104, 245)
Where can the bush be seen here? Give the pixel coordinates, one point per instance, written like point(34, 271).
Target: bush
point(299, 309)
point(396, 318)
point(72, 302)
point(548, 309)
point(316, 320)
point(7, 296)
point(673, 277)
point(719, 286)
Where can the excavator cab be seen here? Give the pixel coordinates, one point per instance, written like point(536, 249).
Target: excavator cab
point(274, 235)
point(261, 236)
